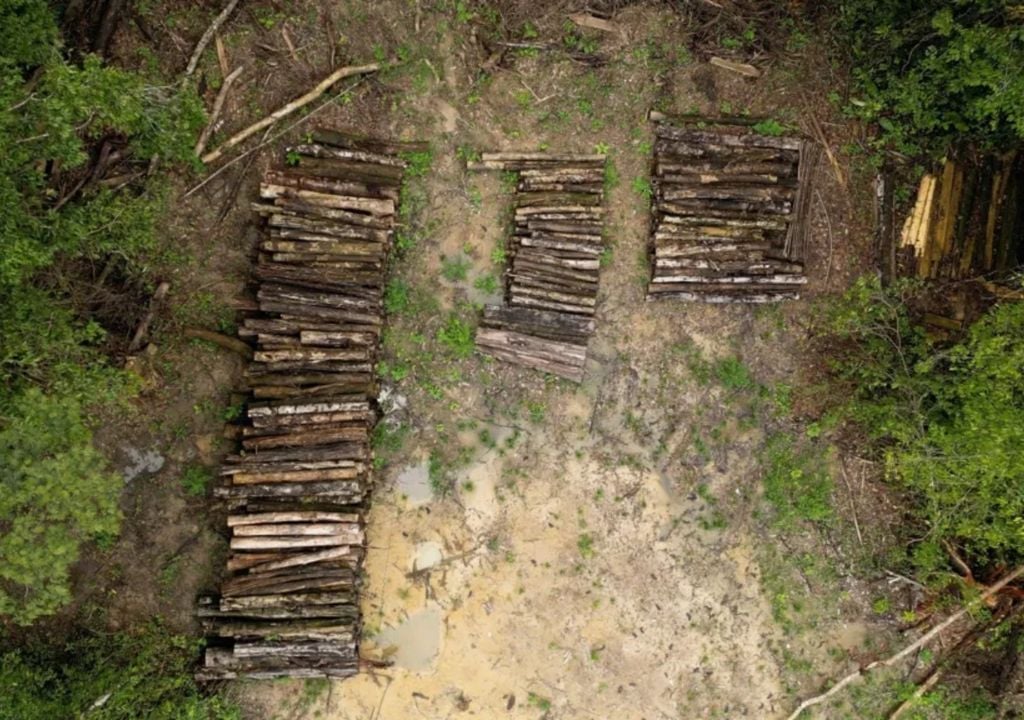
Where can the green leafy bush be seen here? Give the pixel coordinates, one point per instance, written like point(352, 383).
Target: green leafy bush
point(930, 72)
point(118, 677)
point(949, 420)
point(55, 492)
point(457, 336)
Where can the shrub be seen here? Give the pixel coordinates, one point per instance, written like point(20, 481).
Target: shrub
point(457, 336)
point(118, 677)
point(56, 493)
point(932, 72)
point(949, 419)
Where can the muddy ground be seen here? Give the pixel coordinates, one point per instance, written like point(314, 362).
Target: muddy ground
point(536, 548)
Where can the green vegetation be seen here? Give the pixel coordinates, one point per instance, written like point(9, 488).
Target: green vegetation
point(54, 490)
point(108, 677)
point(936, 72)
point(948, 418)
point(195, 479)
point(796, 482)
point(457, 335)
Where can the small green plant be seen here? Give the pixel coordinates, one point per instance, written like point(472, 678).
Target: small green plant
point(538, 701)
point(195, 479)
point(487, 283)
point(770, 127)
point(733, 374)
point(456, 335)
point(455, 269)
point(642, 187)
point(537, 411)
point(585, 544)
point(796, 482)
point(397, 296)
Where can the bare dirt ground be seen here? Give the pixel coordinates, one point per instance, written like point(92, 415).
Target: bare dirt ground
point(594, 551)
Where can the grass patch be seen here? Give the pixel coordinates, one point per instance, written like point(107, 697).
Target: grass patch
point(796, 482)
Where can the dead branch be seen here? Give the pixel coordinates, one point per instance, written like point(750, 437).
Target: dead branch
point(193, 61)
point(923, 688)
point(291, 107)
point(909, 649)
point(228, 343)
point(218, 105)
point(202, 183)
point(143, 328)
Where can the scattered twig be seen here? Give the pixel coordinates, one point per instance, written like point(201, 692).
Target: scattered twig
point(842, 467)
point(828, 226)
point(910, 581)
point(202, 183)
point(594, 23)
point(909, 649)
point(224, 341)
point(819, 135)
point(143, 328)
point(193, 61)
point(291, 107)
point(739, 68)
point(218, 105)
point(222, 55)
point(924, 687)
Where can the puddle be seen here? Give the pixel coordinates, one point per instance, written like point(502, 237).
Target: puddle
point(416, 643)
point(414, 483)
point(426, 555)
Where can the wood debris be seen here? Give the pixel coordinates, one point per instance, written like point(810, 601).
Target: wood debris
point(297, 489)
point(729, 213)
point(554, 257)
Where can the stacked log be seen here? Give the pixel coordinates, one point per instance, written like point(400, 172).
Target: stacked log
point(729, 214)
point(297, 489)
point(554, 256)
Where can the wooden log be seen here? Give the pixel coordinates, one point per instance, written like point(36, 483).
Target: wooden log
point(311, 629)
point(297, 421)
point(709, 137)
point(542, 303)
point(283, 542)
point(365, 270)
point(349, 155)
point(537, 322)
point(725, 171)
point(754, 251)
point(350, 491)
point(706, 206)
point(673, 214)
point(564, 285)
point(562, 297)
point(371, 174)
point(309, 611)
point(281, 392)
point(291, 649)
point(372, 206)
point(349, 141)
point(319, 312)
point(572, 229)
point(297, 528)
point(301, 180)
point(747, 193)
point(539, 255)
point(671, 150)
point(296, 476)
point(302, 559)
point(293, 516)
point(316, 436)
point(291, 379)
point(341, 451)
point(548, 200)
point(346, 405)
point(293, 206)
point(554, 242)
point(521, 264)
point(672, 292)
point(284, 585)
point(331, 228)
point(302, 242)
point(682, 277)
point(360, 353)
point(321, 338)
point(562, 187)
point(595, 212)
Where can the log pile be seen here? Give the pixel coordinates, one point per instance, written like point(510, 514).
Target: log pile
point(297, 489)
point(729, 213)
point(554, 255)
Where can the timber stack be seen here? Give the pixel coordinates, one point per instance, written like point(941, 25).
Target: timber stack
point(554, 256)
point(297, 489)
point(729, 212)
